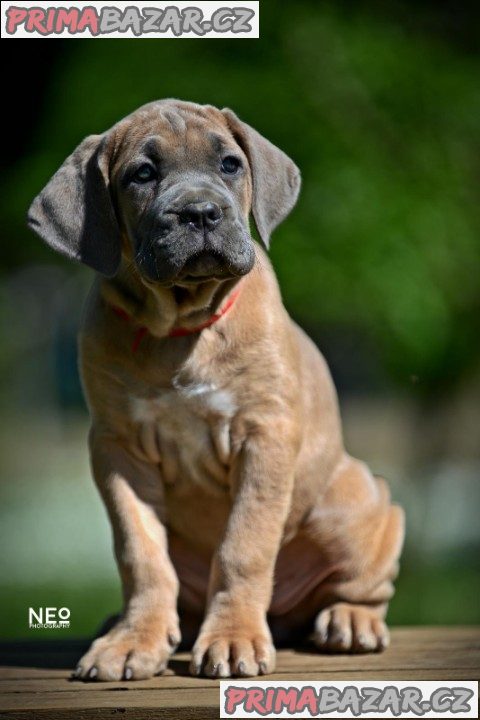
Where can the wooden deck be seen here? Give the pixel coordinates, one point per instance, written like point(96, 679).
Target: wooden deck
point(35, 684)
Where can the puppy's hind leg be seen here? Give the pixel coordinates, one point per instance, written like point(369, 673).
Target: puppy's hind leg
point(361, 533)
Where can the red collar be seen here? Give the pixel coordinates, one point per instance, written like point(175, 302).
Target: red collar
point(178, 331)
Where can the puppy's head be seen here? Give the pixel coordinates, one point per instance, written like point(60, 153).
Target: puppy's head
point(170, 187)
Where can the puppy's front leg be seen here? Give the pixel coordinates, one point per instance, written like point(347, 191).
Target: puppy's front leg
point(234, 638)
point(147, 633)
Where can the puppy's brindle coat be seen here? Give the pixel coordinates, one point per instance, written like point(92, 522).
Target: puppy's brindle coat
point(218, 451)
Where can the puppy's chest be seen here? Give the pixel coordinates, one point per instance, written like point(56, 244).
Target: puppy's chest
point(185, 430)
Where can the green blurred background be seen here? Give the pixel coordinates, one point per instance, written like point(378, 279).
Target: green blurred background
point(379, 105)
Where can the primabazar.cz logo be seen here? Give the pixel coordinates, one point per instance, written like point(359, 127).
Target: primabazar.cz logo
point(125, 19)
point(48, 618)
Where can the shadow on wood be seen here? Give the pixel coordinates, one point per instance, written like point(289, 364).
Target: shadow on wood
point(42, 653)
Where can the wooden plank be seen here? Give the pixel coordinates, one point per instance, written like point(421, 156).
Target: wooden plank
point(29, 692)
point(288, 665)
point(164, 683)
point(119, 713)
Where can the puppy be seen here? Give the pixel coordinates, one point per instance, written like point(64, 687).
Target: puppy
point(215, 440)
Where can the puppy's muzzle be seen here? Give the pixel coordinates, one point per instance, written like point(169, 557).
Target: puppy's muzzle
point(201, 216)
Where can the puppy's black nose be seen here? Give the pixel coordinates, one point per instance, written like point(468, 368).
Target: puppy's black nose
point(201, 216)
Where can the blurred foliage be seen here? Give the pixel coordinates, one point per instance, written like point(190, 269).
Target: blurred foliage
point(444, 594)
point(380, 109)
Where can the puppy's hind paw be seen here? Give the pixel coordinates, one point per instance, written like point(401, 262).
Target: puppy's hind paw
point(350, 629)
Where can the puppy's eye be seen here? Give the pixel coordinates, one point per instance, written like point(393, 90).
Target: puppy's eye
point(230, 165)
point(145, 174)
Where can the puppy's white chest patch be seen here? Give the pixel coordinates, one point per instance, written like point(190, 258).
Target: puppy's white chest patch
point(186, 431)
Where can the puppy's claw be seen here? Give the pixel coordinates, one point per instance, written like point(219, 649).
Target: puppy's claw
point(262, 667)
point(77, 672)
point(217, 670)
point(173, 640)
point(362, 641)
point(195, 668)
point(92, 673)
point(128, 673)
point(241, 668)
point(383, 643)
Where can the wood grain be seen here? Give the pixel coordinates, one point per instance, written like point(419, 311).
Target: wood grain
point(33, 683)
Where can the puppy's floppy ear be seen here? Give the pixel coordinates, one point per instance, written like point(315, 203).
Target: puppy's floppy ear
point(74, 212)
point(276, 178)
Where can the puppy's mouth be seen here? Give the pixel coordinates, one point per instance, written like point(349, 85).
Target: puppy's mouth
point(202, 267)
point(196, 279)
point(192, 261)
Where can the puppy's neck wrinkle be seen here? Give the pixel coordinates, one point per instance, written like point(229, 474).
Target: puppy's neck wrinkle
point(159, 310)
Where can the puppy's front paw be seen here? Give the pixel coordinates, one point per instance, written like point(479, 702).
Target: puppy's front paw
point(350, 628)
point(224, 649)
point(129, 653)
